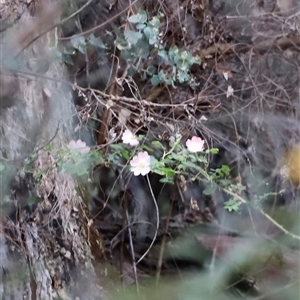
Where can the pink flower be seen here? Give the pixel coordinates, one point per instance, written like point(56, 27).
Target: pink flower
point(79, 145)
point(140, 164)
point(195, 144)
point(129, 138)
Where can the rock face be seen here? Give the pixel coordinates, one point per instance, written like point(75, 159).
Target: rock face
point(48, 247)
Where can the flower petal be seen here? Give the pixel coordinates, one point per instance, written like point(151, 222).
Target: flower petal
point(72, 144)
point(79, 145)
point(196, 144)
point(145, 171)
point(136, 171)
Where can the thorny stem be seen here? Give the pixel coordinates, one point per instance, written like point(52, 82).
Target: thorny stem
point(274, 222)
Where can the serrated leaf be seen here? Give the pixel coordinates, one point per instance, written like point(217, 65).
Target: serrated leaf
point(232, 205)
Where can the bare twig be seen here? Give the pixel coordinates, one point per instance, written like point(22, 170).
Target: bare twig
point(54, 26)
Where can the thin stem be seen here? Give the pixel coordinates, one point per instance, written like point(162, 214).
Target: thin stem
point(274, 222)
point(157, 221)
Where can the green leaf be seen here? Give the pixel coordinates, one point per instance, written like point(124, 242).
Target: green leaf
point(82, 48)
point(142, 49)
point(151, 70)
point(168, 172)
point(132, 37)
point(134, 19)
point(181, 167)
point(190, 165)
point(151, 35)
point(157, 144)
point(168, 161)
point(78, 41)
point(67, 59)
point(210, 189)
point(224, 182)
point(153, 161)
point(201, 158)
point(225, 169)
point(125, 154)
point(232, 205)
point(117, 146)
point(177, 157)
point(163, 54)
point(144, 147)
point(183, 76)
point(114, 158)
point(163, 77)
point(121, 43)
point(96, 42)
point(214, 150)
point(168, 180)
point(141, 17)
point(239, 187)
point(155, 80)
point(140, 26)
point(155, 22)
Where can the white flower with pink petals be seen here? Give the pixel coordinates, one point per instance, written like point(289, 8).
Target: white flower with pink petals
point(195, 144)
point(79, 145)
point(140, 164)
point(129, 138)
